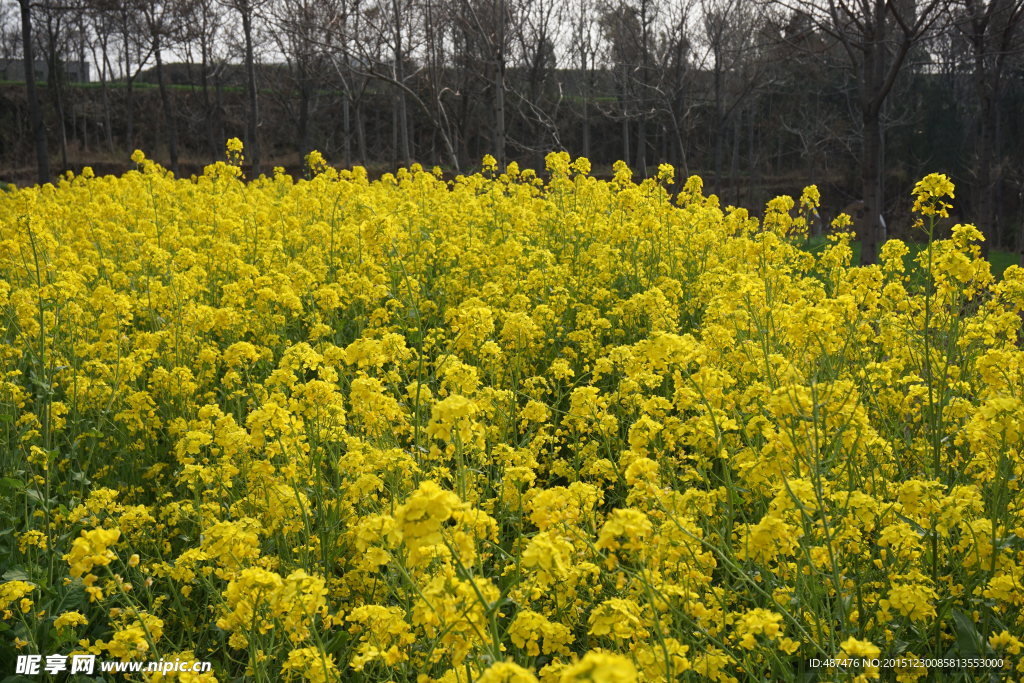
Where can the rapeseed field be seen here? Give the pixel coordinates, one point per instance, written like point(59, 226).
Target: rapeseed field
point(503, 428)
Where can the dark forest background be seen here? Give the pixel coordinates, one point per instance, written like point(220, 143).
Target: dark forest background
point(861, 97)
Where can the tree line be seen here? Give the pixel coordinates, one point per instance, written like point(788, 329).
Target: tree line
point(861, 96)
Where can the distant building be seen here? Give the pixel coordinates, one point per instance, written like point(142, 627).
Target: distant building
point(14, 70)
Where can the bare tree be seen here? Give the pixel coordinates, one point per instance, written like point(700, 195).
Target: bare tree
point(299, 27)
point(484, 26)
point(729, 29)
point(379, 47)
point(532, 90)
point(876, 37)
point(202, 32)
point(35, 112)
point(54, 33)
point(385, 44)
point(165, 22)
point(247, 13)
point(631, 33)
point(100, 48)
point(10, 32)
point(675, 51)
point(994, 30)
point(135, 51)
point(339, 49)
point(584, 48)
point(437, 81)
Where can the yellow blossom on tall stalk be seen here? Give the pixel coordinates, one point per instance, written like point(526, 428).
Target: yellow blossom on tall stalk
point(91, 550)
point(929, 193)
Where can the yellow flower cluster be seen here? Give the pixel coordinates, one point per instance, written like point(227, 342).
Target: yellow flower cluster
point(91, 550)
point(15, 592)
point(929, 193)
point(501, 428)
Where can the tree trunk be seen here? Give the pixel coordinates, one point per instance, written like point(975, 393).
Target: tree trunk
point(999, 223)
point(35, 113)
point(625, 139)
point(396, 153)
point(108, 124)
point(252, 144)
point(401, 115)
point(403, 131)
point(55, 88)
point(752, 167)
point(346, 129)
point(168, 107)
point(463, 141)
point(734, 161)
point(641, 145)
point(129, 94)
point(587, 152)
point(644, 105)
point(871, 180)
point(499, 88)
point(361, 132)
point(219, 91)
point(204, 83)
point(984, 208)
point(985, 94)
point(720, 122)
point(305, 95)
point(499, 111)
point(677, 113)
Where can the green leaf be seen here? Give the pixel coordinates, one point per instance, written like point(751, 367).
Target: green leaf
point(968, 640)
